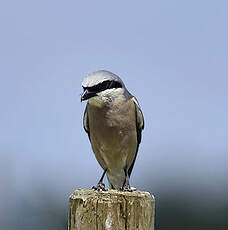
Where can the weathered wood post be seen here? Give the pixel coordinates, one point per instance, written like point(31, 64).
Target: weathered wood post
point(111, 210)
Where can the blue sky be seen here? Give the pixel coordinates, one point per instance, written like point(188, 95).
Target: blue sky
point(172, 55)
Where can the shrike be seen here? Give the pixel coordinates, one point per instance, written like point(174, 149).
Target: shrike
point(114, 122)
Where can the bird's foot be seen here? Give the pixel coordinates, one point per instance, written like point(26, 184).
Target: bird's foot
point(127, 188)
point(100, 187)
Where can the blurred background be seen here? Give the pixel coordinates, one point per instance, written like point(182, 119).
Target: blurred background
point(173, 55)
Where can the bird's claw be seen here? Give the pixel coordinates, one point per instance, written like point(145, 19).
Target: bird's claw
point(127, 188)
point(100, 187)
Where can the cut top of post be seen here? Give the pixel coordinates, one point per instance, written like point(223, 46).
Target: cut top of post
point(111, 210)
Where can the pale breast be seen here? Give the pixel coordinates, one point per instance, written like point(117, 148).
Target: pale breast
point(113, 131)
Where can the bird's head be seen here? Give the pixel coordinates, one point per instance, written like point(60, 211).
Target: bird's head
point(102, 86)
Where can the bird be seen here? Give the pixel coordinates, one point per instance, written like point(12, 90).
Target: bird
point(114, 122)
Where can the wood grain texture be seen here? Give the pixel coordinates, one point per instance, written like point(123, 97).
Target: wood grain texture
point(111, 210)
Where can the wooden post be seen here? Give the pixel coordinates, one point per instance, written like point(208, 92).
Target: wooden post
point(111, 210)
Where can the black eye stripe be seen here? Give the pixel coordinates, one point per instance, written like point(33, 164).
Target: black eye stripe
point(103, 86)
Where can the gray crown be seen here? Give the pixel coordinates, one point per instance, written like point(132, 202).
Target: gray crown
point(98, 77)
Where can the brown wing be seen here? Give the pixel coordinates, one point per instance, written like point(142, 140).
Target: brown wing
point(139, 127)
point(86, 121)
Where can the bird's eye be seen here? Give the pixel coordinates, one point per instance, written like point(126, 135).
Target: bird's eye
point(103, 86)
point(114, 84)
point(95, 88)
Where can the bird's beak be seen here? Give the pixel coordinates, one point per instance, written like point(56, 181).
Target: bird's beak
point(87, 94)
